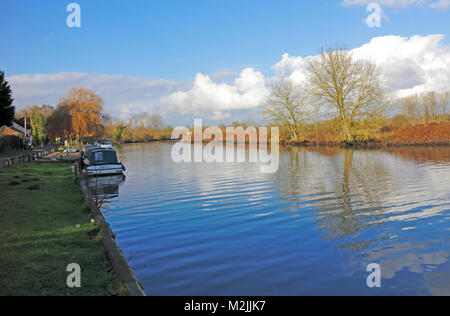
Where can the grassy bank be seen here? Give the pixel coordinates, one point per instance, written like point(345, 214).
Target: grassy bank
point(43, 228)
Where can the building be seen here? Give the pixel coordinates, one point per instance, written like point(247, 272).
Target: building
point(17, 128)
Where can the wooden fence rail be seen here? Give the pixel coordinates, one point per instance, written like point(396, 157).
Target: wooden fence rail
point(9, 161)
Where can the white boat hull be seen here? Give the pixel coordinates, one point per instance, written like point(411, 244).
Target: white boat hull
point(103, 169)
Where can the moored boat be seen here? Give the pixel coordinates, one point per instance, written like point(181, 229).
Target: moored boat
point(101, 161)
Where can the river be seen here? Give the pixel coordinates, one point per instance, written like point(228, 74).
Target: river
point(312, 227)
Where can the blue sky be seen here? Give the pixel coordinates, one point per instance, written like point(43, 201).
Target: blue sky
point(177, 39)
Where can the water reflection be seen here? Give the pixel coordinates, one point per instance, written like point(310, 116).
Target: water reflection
point(105, 189)
point(439, 154)
point(227, 229)
point(346, 182)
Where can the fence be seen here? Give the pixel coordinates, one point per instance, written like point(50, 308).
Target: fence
point(36, 154)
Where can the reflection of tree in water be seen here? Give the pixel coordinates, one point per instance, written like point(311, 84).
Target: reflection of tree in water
point(105, 189)
point(363, 187)
point(346, 193)
point(440, 154)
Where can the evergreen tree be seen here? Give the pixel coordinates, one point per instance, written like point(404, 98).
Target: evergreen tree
point(6, 108)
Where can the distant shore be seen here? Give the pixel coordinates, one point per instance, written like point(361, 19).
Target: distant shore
point(307, 143)
point(366, 144)
point(431, 134)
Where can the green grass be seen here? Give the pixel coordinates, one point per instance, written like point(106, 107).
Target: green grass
point(44, 230)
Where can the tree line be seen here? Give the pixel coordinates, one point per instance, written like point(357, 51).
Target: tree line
point(425, 107)
point(79, 118)
point(346, 99)
point(141, 127)
point(341, 99)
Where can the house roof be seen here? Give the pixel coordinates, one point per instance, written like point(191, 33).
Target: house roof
point(14, 128)
point(21, 122)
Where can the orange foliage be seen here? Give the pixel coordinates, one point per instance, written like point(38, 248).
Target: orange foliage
point(433, 133)
point(85, 108)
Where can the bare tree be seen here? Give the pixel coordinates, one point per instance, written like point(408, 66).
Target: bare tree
point(410, 108)
point(156, 122)
point(351, 87)
point(429, 102)
point(444, 102)
point(286, 107)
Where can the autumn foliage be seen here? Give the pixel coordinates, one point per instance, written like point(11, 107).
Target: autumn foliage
point(78, 115)
point(433, 133)
point(420, 120)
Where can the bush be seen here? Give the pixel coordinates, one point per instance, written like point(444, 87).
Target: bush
point(432, 133)
point(11, 143)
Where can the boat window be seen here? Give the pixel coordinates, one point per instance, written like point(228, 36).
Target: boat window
point(99, 156)
point(102, 157)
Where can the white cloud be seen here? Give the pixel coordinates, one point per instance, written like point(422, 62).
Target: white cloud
point(292, 67)
point(213, 100)
point(122, 95)
point(224, 75)
point(440, 4)
point(434, 4)
point(410, 65)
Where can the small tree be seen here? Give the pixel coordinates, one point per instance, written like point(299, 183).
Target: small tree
point(444, 102)
point(430, 104)
point(353, 88)
point(286, 107)
point(118, 132)
point(410, 108)
point(7, 110)
point(38, 119)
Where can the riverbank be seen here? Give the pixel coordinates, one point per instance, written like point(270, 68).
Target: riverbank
point(369, 144)
point(432, 134)
point(43, 228)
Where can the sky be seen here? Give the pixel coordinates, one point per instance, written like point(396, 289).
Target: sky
point(210, 59)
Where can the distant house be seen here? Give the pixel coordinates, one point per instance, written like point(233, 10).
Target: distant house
point(17, 128)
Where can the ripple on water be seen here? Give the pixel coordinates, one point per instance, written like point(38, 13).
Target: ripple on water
point(310, 228)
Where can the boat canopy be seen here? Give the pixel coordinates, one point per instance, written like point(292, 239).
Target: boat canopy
point(89, 148)
point(102, 156)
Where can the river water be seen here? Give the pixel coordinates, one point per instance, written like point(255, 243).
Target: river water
point(313, 227)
